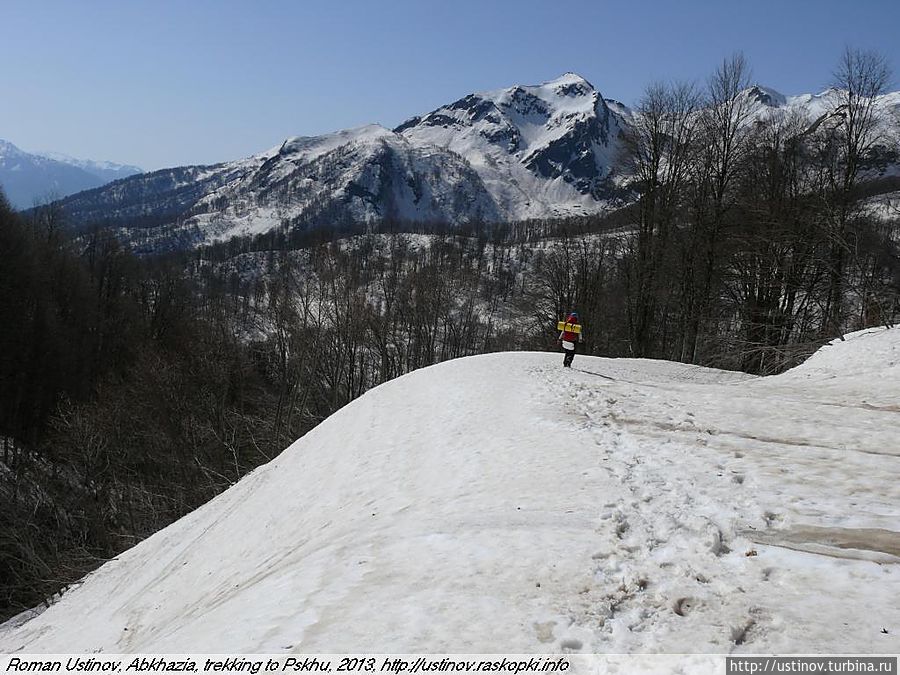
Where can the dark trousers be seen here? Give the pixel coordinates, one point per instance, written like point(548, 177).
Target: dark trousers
point(569, 356)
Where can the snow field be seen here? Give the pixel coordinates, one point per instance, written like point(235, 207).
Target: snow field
point(500, 503)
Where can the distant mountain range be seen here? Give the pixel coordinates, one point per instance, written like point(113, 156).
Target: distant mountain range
point(548, 150)
point(27, 178)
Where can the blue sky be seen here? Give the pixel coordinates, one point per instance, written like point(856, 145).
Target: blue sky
point(165, 83)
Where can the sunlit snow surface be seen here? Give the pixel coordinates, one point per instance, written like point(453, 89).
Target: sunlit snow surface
point(503, 503)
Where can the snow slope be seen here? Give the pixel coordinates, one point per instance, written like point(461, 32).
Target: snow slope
point(502, 503)
point(377, 173)
point(356, 175)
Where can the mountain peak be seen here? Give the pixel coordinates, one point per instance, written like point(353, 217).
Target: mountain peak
point(766, 96)
point(568, 78)
point(8, 149)
point(567, 86)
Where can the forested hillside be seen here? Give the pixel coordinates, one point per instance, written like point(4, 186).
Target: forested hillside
point(761, 229)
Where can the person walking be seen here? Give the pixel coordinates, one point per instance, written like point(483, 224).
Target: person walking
point(569, 337)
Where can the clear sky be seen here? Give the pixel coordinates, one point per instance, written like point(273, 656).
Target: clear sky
point(170, 82)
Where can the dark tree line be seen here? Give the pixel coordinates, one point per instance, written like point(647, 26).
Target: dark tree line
point(119, 389)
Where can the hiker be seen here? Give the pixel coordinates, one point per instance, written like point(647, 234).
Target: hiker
point(569, 337)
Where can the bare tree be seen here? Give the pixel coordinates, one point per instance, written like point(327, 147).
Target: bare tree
point(859, 79)
point(658, 151)
point(722, 144)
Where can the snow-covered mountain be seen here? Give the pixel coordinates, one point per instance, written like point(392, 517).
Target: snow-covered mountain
point(105, 171)
point(828, 104)
point(542, 150)
point(29, 177)
point(547, 150)
point(503, 503)
point(357, 175)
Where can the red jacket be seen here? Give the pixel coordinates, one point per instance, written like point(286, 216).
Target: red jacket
point(570, 336)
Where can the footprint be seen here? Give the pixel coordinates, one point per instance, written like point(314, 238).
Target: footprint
point(741, 634)
point(544, 631)
point(716, 543)
point(570, 645)
point(684, 606)
point(771, 518)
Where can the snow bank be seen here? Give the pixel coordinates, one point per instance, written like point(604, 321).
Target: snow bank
point(861, 369)
point(865, 351)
